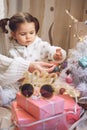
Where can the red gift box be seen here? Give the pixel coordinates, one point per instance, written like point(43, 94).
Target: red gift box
point(72, 109)
point(41, 108)
point(24, 121)
point(20, 116)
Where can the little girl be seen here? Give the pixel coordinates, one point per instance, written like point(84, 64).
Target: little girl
point(25, 44)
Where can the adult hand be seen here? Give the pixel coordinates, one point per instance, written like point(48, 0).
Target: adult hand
point(41, 66)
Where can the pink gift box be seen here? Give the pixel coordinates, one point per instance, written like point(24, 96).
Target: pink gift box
point(20, 116)
point(41, 108)
point(24, 121)
point(72, 109)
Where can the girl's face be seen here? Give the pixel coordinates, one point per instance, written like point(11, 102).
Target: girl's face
point(25, 34)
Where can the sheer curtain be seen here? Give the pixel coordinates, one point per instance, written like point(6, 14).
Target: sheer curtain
point(5, 6)
point(2, 15)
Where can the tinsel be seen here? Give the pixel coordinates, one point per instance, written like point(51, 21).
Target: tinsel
point(78, 73)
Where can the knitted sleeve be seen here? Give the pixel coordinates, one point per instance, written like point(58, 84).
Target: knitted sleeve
point(12, 70)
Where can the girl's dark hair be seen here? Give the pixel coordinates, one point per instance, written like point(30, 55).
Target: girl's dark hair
point(17, 19)
point(3, 23)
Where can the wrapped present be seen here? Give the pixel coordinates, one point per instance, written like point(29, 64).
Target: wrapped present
point(83, 62)
point(71, 108)
point(24, 121)
point(41, 108)
point(19, 115)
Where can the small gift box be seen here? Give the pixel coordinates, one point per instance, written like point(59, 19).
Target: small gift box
point(24, 121)
point(83, 62)
point(41, 108)
point(71, 108)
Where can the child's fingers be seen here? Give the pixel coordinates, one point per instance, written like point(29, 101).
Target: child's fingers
point(47, 64)
point(49, 70)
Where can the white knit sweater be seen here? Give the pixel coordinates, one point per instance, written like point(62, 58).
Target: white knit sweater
point(37, 51)
point(12, 69)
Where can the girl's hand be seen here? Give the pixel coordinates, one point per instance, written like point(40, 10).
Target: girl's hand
point(58, 54)
point(41, 66)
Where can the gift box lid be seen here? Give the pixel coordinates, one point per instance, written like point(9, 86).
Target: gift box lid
point(41, 108)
